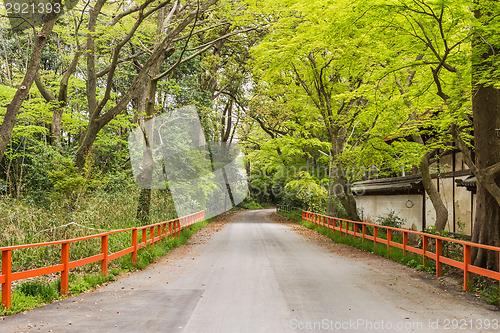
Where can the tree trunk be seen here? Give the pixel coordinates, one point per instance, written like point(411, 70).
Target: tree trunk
point(331, 207)
point(486, 117)
point(146, 106)
point(249, 176)
point(486, 230)
point(341, 186)
point(346, 197)
point(146, 111)
point(90, 135)
point(55, 126)
point(23, 90)
point(144, 206)
point(431, 190)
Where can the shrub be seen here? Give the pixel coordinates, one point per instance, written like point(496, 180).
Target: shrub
point(391, 220)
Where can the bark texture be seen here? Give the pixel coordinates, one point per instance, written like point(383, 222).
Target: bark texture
point(432, 192)
point(486, 114)
point(486, 118)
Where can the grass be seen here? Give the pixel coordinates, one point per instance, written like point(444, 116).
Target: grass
point(294, 216)
point(33, 293)
point(484, 288)
point(23, 222)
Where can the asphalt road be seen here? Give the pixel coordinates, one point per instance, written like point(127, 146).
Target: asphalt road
point(258, 276)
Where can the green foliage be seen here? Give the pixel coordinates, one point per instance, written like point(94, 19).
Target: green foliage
point(38, 162)
point(21, 302)
point(66, 179)
point(38, 288)
point(81, 283)
point(249, 203)
point(391, 220)
point(294, 216)
point(304, 191)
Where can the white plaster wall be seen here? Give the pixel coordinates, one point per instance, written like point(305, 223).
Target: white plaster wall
point(408, 207)
point(462, 206)
point(463, 209)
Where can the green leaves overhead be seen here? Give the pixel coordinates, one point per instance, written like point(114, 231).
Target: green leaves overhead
point(367, 79)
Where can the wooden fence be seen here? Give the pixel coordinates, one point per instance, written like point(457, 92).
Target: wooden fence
point(150, 234)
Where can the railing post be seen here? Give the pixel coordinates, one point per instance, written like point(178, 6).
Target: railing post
point(152, 235)
point(134, 245)
point(439, 252)
point(6, 272)
point(354, 228)
point(364, 233)
point(425, 245)
point(340, 227)
point(170, 228)
point(144, 237)
point(375, 234)
point(178, 228)
point(467, 257)
point(389, 239)
point(104, 251)
point(346, 228)
point(158, 231)
point(65, 271)
point(405, 242)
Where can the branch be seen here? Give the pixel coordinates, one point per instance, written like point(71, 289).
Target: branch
point(131, 57)
point(43, 89)
point(91, 76)
point(200, 31)
point(123, 14)
point(203, 47)
point(63, 87)
point(143, 74)
point(114, 62)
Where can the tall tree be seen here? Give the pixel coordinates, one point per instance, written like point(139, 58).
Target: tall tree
point(183, 27)
point(13, 107)
point(486, 120)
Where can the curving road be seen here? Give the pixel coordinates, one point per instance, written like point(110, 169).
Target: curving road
point(258, 276)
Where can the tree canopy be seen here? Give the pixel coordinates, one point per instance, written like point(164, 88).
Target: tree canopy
point(318, 94)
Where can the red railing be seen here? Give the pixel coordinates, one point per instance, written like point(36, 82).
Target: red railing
point(344, 228)
point(156, 232)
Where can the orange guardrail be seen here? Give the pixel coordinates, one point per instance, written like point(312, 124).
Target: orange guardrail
point(465, 264)
point(157, 231)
